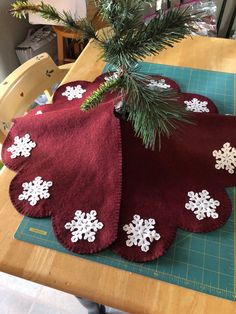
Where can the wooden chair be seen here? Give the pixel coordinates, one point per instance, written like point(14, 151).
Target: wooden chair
point(19, 90)
point(63, 33)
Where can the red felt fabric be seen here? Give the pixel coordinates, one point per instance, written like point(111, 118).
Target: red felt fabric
point(96, 162)
point(62, 103)
point(69, 154)
point(156, 184)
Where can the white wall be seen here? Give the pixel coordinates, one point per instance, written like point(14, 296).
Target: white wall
point(12, 32)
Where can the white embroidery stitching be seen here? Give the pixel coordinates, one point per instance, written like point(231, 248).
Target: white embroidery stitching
point(161, 84)
point(225, 158)
point(73, 92)
point(35, 190)
point(22, 146)
point(202, 205)
point(196, 105)
point(139, 231)
point(84, 226)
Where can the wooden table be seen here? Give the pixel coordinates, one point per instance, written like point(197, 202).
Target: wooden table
point(124, 290)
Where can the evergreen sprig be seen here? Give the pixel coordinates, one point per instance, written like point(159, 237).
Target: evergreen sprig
point(151, 110)
point(133, 40)
point(96, 97)
point(129, 40)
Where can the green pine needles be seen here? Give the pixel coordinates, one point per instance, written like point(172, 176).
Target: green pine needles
point(129, 40)
point(96, 97)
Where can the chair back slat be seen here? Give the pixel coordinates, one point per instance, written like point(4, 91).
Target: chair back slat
point(19, 90)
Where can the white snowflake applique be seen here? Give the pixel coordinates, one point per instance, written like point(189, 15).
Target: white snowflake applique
point(225, 158)
point(22, 146)
point(35, 190)
point(84, 226)
point(73, 92)
point(160, 83)
point(196, 105)
point(140, 232)
point(202, 205)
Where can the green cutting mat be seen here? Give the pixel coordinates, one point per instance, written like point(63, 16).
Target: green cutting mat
point(203, 262)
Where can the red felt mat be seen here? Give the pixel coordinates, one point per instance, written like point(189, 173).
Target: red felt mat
point(100, 185)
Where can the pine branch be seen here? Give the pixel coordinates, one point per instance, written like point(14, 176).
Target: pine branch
point(139, 40)
point(109, 10)
point(152, 111)
point(89, 31)
point(129, 40)
point(96, 97)
point(20, 8)
point(48, 12)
